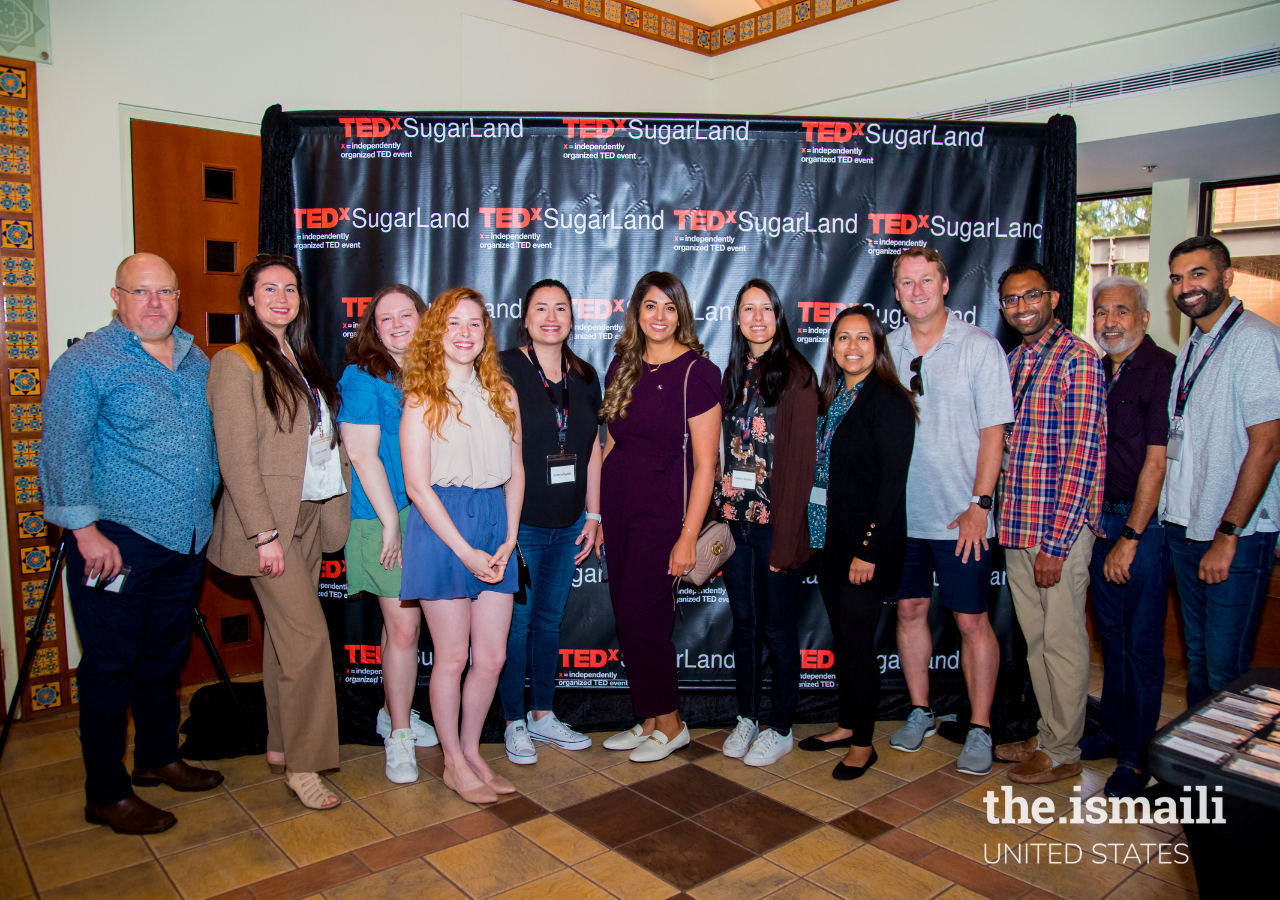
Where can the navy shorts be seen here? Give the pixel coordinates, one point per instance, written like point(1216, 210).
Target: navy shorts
point(964, 587)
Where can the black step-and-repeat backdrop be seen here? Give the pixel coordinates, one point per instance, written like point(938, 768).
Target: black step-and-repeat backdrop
point(497, 202)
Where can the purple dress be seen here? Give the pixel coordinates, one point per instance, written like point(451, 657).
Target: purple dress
point(641, 507)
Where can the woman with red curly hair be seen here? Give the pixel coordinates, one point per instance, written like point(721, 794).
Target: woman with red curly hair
point(463, 471)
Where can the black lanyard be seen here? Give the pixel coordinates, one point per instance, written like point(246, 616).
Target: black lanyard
point(1021, 394)
point(750, 401)
point(1115, 376)
point(1184, 386)
point(562, 414)
point(314, 392)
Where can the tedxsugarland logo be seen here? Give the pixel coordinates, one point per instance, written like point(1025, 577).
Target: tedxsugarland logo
point(1197, 807)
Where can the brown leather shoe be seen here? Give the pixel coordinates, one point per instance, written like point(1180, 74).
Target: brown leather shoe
point(179, 776)
point(132, 815)
point(1020, 751)
point(1040, 769)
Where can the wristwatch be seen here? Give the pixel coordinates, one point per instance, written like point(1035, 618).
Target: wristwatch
point(1230, 528)
point(1128, 533)
point(984, 501)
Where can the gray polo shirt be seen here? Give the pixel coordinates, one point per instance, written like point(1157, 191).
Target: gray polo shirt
point(1238, 387)
point(966, 389)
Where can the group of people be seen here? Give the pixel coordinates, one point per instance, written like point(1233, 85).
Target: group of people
point(880, 474)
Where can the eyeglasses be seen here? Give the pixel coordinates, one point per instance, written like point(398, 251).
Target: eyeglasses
point(1032, 298)
point(917, 380)
point(143, 293)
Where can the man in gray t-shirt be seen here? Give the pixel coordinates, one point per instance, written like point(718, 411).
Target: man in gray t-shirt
point(960, 379)
point(1221, 499)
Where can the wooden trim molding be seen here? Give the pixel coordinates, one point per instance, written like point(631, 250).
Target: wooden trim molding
point(32, 544)
point(707, 40)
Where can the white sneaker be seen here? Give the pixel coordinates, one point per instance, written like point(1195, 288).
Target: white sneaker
point(520, 749)
point(768, 748)
point(739, 741)
point(551, 730)
point(402, 762)
point(627, 740)
point(657, 746)
point(423, 734)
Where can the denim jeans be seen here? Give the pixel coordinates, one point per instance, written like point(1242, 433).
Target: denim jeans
point(1221, 620)
point(533, 643)
point(1129, 621)
point(764, 610)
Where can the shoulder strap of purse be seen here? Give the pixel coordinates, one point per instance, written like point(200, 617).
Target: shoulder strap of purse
point(684, 453)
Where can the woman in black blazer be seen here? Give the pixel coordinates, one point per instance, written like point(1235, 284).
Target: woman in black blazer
point(865, 439)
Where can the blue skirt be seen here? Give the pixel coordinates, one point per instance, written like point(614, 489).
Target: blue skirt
point(431, 570)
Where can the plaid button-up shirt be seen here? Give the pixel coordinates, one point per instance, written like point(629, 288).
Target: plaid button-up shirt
point(1053, 486)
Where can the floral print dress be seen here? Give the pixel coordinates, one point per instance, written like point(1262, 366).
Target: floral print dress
point(747, 436)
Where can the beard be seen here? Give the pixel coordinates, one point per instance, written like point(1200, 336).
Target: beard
point(1201, 302)
point(1121, 343)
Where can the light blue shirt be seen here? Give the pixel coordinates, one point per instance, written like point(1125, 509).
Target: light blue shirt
point(372, 401)
point(128, 440)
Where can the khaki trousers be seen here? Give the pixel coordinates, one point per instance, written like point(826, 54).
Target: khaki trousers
point(1052, 621)
point(297, 664)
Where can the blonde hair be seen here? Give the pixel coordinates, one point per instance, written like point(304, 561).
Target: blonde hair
point(425, 377)
point(630, 347)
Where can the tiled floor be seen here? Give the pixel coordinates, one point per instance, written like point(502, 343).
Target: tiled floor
point(585, 826)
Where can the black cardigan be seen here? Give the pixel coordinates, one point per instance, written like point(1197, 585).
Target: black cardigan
point(867, 491)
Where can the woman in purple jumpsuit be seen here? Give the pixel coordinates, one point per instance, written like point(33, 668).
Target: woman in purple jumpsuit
point(651, 540)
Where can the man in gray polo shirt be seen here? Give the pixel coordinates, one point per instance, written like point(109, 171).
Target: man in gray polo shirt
point(1221, 497)
point(960, 378)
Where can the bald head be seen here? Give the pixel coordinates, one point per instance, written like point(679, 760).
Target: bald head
point(131, 266)
point(146, 296)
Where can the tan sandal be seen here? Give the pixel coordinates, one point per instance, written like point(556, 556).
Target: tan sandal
point(500, 785)
point(277, 768)
point(311, 792)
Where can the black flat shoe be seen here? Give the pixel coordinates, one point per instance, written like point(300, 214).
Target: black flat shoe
point(813, 745)
point(847, 773)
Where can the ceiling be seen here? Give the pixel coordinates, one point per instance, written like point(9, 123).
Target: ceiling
point(1240, 149)
point(708, 12)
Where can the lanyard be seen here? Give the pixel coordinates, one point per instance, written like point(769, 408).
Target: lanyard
point(1026, 385)
point(562, 413)
point(828, 430)
point(751, 400)
point(314, 392)
point(1184, 386)
point(1115, 376)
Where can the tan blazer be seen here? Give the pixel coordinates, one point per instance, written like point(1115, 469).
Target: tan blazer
point(262, 468)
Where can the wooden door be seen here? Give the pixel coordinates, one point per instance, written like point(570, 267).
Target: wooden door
point(195, 203)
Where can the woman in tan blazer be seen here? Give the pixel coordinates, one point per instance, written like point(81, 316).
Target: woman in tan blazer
point(286, 501)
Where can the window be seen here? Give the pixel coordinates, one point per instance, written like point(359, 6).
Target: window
point(220, 256)
point(219, 184)
point(1245, 215)
point(1112, 238)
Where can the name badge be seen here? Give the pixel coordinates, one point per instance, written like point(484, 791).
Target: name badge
point(818, 496)
point(562, 468)
point(1004, 459)
point(319, 448)
point(744, 478)
point(1176, 430)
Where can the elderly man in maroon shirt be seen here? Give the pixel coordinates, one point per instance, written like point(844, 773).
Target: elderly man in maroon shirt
point(1130, 568)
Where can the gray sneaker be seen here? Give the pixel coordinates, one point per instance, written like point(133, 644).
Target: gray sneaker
point(975, 759)
point(913, 732)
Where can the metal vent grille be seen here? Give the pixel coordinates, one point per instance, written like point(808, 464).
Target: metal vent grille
point(1089, 92)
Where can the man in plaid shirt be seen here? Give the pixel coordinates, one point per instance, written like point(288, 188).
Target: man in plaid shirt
point(1051, 494)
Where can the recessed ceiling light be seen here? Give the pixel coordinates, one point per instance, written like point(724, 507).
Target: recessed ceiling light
point(1150, 168)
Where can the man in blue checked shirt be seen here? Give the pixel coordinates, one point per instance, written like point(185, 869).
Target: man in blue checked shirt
point(128, 466)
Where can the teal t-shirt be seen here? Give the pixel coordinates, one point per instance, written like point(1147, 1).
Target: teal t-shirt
point(371, 401)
